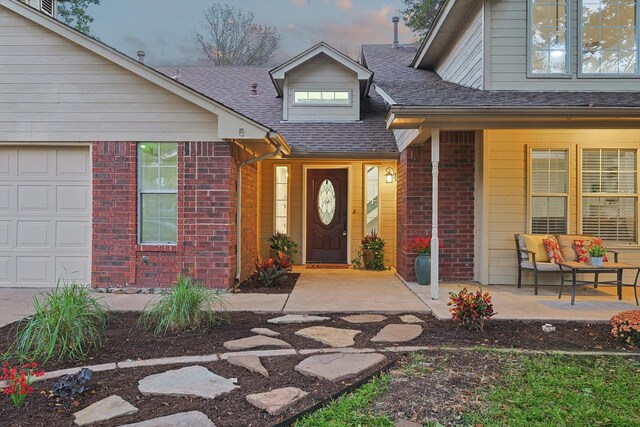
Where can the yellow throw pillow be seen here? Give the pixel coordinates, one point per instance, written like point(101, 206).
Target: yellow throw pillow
point(534, 243)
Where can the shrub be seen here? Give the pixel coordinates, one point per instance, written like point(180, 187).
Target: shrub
point(71, 386)
point(471, 309)
point(626, 327)
point(280, 242)
point(274, 270)
point(19, 379)
point(65, 326)
point(186, 305)
point(372, 252)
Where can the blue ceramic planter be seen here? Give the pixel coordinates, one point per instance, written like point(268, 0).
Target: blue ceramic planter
point(422, 266)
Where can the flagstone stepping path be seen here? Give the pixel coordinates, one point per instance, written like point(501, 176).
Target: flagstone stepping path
point(181, 419)
point(265, 331)
point(254, 342)
point(275, 402)
point(334, 337)
point(249, 362)
point(364, 318)
point(103, 410)
point(338, 366)
point(410, 318)
point(190, 381)
point(398, 333)
point(407, 423)
point(297, 318)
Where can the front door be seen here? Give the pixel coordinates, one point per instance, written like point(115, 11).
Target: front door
point(327, 216)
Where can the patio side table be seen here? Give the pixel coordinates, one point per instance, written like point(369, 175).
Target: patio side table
point(618, 268)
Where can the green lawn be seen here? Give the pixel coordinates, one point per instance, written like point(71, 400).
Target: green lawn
point(564, 391)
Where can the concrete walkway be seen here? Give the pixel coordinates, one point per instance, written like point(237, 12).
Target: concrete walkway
point(594, 305)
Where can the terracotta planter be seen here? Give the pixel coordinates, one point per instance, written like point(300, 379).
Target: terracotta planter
point(368, 258)
point(422, 267)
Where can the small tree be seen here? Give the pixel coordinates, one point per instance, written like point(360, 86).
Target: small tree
point(74, 13)
point(231, 37)
point(419, 14)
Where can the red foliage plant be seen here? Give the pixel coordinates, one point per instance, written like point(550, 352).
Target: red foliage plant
point(626, 327)
point(272, 271)
point(19, 379)
point(471, 309)
point(421, 245)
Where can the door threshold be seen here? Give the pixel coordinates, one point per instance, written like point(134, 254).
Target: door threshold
point(327, 266)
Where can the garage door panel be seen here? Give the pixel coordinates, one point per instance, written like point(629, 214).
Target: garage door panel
point(72, 198)
point(72, 164)
point(5, 227)
point(5, 278)
point(33, 234)
point(34, 198)
point(34, 163)
point(34, 270)
point(72, 234)
point(5, 198)
point(72, 269)
point(5, 162)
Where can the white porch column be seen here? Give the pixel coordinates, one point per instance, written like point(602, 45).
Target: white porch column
point(435, 247)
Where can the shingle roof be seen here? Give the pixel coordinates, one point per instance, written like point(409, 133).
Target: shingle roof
point(410, 86)
point(231, 86)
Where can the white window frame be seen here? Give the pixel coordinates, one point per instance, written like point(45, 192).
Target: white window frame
point(635, 195)
point(323, 104)
point(531, 194)
point(141, 192)
point(366, 191)
point(568, 53)
point(275, 198)
point(580, 73)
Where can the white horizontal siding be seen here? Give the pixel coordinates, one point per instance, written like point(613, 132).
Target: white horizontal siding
point(508, 54)
point(463, 63)
point(54, 90)
point(322, 73)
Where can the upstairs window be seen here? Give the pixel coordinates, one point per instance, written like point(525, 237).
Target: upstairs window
point(548, 35)
point(609, 37)
point(322, 97)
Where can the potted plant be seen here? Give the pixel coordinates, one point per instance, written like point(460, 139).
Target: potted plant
point(422, 263)
point(596, 252)
point(281, 243)
point(372, 252)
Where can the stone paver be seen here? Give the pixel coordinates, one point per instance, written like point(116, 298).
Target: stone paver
point(407, 423)
point(249, 362)
point(334, 337)
point(338, 366)
point(254, 342)
point(297, 318)
point(275, 402)
point(398, 333)
point(181, 419)
point(189, 381)
point(167, 361)
point(410, 318)
point(105, 409)
point(265, 331)
point(364, 318)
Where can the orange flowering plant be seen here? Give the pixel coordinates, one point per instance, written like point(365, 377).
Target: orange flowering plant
point(19, 381)
point(471, 309)
point(626, 327)
point(596, 248)
point(421, 245)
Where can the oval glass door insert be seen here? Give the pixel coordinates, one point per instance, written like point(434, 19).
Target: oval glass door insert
point(326, 202)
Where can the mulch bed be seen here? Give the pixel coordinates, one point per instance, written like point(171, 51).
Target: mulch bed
point(227, 410)
point(125, 341)
point(253, 286)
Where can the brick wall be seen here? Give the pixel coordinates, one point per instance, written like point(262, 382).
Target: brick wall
point(206, 218)
point(456, 204)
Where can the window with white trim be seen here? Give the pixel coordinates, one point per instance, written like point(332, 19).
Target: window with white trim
point(372, 191)
point(548, 35)
point(549, 178)
point(609, 37)
point(610, 194)
point(281, 199)
point(322, 97)
point(157, 193)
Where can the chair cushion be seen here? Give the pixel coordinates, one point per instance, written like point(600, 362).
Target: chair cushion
point(552, 247)
point(535, 244)
point(582, 249)
point(542, 266)
point(567, 247)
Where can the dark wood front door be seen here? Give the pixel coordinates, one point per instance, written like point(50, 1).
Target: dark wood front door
point(327, 216)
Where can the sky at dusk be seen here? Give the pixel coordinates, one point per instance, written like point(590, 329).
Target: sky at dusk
point(165, 29)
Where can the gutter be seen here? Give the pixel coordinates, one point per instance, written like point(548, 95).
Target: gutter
point(280, 147)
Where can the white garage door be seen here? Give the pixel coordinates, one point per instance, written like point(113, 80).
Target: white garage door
point(45, 215)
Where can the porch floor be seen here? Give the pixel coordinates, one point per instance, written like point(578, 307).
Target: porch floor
point(596, 305)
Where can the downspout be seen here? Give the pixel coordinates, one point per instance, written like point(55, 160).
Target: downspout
point(276, 153)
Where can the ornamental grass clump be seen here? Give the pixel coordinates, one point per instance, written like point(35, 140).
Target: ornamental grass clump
point(66, 325)
point(186, 305)
point(626, 327)
point(471, 309)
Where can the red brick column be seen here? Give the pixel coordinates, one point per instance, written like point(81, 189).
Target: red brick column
point(456, 204)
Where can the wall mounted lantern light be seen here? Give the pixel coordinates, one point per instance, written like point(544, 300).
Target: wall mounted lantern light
point(390, 176)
